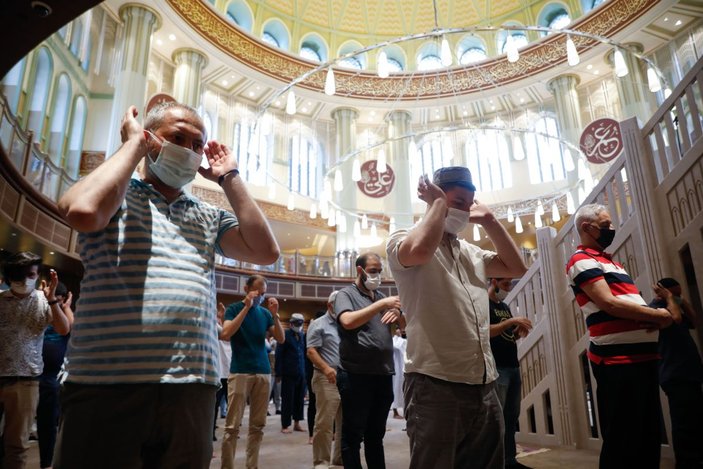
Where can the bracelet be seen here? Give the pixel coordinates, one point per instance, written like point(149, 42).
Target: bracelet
point(221, 179)
point(53, 302)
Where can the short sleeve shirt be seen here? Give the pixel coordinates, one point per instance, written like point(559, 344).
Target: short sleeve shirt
point(324, 337)
point(22, 324)
point(368, 349)
point(503, 346)
point(446, 308)
point(249, 353)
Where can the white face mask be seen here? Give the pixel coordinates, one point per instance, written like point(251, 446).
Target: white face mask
point(176, 165)
point(501, 294)
point(373, 281)
point(24, 288)
point(296, 328)
point(455, 221)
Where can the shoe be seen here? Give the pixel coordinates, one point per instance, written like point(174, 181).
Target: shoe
point(33, 436)
point(268, 414)
point(516, 465)
point(278, 412)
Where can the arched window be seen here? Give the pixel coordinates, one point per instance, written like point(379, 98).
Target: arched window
point(313, 48)
point(59, 118)
point(76, 37)
point(350, 62)
point(395, 57)
point(490, 171)
point(433, 153)
point(519, 39)
point(240, 14)
point(356, 62)
point(472, 55)
point(394, 66)
point(75, 139)
point(253, 147)
point(303, 172)
point(544, 152)
point(428, 57)
point(39, 91)
point(553, 16)
point(588, 5)
point(276, 34)
point(12, 85)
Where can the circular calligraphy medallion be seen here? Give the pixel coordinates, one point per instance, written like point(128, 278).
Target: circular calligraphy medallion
point(373, 184)
point(601, 141)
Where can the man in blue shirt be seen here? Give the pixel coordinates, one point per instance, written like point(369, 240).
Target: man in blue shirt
point(290, 369)
point(246, 325)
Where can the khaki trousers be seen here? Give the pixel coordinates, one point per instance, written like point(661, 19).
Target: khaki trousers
point(329, 413)
point(19, 402)
point(256, 388)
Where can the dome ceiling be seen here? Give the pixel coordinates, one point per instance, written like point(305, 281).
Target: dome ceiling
point(392, 18)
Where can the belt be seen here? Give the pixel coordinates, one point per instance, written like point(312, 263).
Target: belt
point(9, 380)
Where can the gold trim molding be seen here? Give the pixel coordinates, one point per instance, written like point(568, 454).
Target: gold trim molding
point(549, 52)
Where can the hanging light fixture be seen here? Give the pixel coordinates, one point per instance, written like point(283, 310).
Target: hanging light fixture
point(538, 220)
point(374, 231)
point(556, 216)
point(381, 163)
point(332, 219)
point(313, 210)
point(382, 65)
point(653, 80)
point(364, 222)
point(391, 225)
point(477, 235)
point(290, 103)
point(570, 206)
point(518, 152)
point(581, 195)
point(356, 170)
point(572, 55)
point(412, 150)
point(291, 201)
point(540, 208)
point(341, 222)
point(518, 225)
point(330, 87)
point(667, 92)
point(511, 49)
point(338, 186)
point(568, 160)
point(357, 228)
point(445, 53)
point(619, 63)
point(324, 209)
point(511, 218)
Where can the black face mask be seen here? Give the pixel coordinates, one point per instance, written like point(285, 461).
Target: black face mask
point(606, 237)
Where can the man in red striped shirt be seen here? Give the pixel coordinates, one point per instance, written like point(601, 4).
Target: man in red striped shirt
point(623, 345)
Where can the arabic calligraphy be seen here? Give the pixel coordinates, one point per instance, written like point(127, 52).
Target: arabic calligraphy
point(374, 184)
point(601, 141)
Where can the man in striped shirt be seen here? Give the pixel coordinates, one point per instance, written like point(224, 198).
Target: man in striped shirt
point(143, 354)
point(623, 345)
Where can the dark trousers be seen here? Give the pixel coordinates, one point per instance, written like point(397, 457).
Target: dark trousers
point(629, 413)
point(452, 425)
point(366, 400)
point(508, 389)
point(686, 409)
point(312, 406)
point(292, 399)
point(221, 394)
point(48, 407)
point(135, 426)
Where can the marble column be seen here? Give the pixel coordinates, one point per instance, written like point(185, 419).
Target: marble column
point(635, 98)
point(566, 103)
point(345, 131)
point(188, 77)
point(140, 22)
point(402, 196)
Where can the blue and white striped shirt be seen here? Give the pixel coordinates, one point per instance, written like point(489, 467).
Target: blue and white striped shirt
point(146, 312)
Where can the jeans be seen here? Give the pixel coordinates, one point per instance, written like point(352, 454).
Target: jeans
point(508, 389)
point(452, 425)
point(135, 425)
point(629, 415)
point(366, 400)
point(686, 410)
point(292, 399)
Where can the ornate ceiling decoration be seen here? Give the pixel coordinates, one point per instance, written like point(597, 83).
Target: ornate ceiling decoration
point(549, 52)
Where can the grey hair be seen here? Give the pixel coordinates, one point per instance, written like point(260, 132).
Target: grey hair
point(155, 119)
point(588, 212)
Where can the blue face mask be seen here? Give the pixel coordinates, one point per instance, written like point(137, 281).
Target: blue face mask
point(257, 301)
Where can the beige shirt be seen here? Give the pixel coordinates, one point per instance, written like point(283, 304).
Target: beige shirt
point(446, 307)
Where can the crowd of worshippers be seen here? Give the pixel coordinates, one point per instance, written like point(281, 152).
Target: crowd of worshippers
point(153, 356)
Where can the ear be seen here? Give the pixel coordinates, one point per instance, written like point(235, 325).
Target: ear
point(359, 270)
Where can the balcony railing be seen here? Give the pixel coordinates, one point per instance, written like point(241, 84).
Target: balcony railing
point(36, 167)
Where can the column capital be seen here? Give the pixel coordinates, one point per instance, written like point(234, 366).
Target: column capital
point(559, 83)
point(341, 112)
point(129, 8)
point(190, 56)
point(399, 115)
